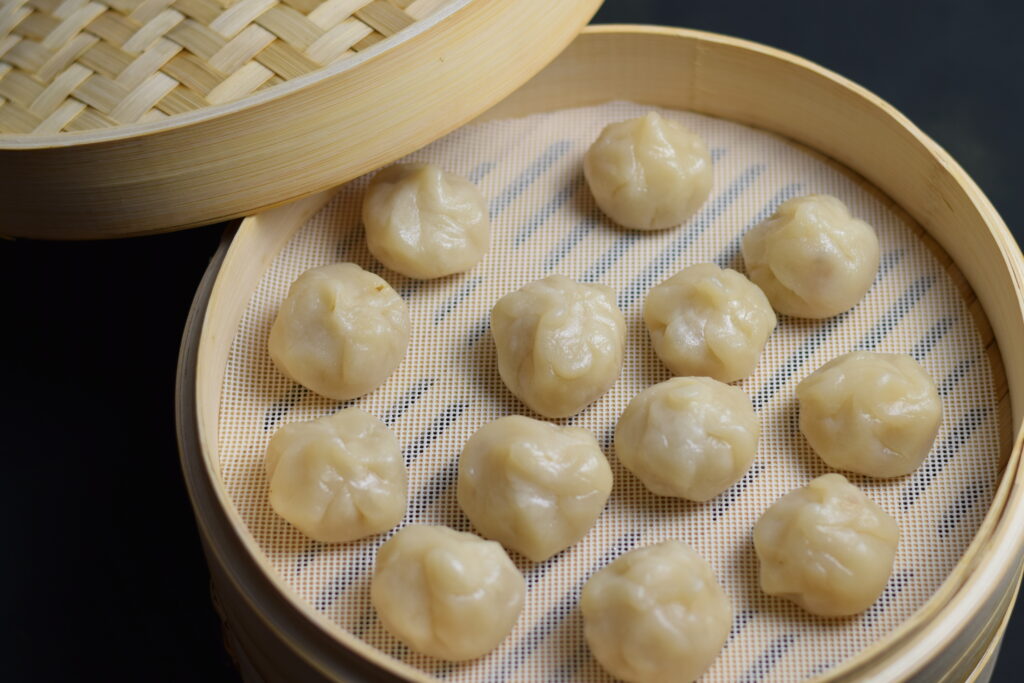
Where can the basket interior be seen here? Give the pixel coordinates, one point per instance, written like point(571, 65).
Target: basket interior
point(74, 65)
point(545, 221)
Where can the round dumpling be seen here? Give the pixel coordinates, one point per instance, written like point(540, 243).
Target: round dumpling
point(709, 321)
point(871, 413)
point(688, 437)
point(445, 593)
point(560, 343)
point(337, 478)
point(648, 173)
point(827, 547)
point(340, 332)
point(535, 487)
point(656, 615)
point(812, 258)
point(424, 222)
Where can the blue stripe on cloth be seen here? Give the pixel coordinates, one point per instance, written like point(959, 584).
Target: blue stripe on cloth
point(811, 344)
point(769, 658)
point(452, 302)
point(567, 243)
point(548, 623)
point(893, 588)
point(544, 214)
point(535, 170)
point(711, 211)
point(406, 400)
point(911, 295)
point(480, 172)
point(724, 500)
point(440, 423)
point(276, 412)
point(740, 621)
point(937, 459)
point(608, 259)
point(964, 503)
point(932, 337)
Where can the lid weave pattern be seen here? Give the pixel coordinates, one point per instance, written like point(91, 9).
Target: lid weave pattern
point(73, 65)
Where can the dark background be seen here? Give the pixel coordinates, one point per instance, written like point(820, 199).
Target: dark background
point(104, 574)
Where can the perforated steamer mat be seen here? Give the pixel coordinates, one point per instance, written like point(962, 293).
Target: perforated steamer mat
point(545, 221)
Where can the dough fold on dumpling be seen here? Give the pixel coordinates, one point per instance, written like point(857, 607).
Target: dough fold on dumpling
point(688, 437)
point(424, 222)
point(337, 478)
point(827, 547)
point(533, 486)
point(872, 413)
point(648, 173)
point(340, 332)
point(812, 258)
point(445, 593)
point(559, 342)
point(656, 615)
point(709, 321)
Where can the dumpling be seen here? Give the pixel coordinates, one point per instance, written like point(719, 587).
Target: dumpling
point(688, 437)
point(560, 343)
point(648, 173)
point(445, 593)
point(337, 478)
point(424, 222)
point(533, 486)
point(656, 615)
point(871, 413)
point(827, 547)
point(812, 258)
point(709, 322)
point(340, 332)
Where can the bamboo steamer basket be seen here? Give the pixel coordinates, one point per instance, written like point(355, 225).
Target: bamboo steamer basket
point(151, 116)
point(954, 636)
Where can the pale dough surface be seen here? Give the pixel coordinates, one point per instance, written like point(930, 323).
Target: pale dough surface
point(425, 222)
point(446, 593)
point(533, 486)
point(709, 321)
point(871, 413)
point(340, 332)
point(337, 478)
point(689, 437)
point(656, 615)
point(812, 258)
point(560, 343)
point(827, 547)
point(648, 173)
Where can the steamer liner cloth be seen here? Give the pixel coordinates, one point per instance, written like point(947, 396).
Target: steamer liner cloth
point(545, 221)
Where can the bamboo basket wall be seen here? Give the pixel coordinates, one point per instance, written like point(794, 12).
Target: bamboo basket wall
point(953, 637)
point(147, 116)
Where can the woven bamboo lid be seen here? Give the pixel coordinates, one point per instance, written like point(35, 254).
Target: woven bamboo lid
point(122, 117)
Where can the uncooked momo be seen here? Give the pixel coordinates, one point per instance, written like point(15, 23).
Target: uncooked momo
point(871, 413)
point(689, 437)
point(446, 593)
point(560, 343)
point(812, 258)
point(827, 547)
point(709, 321)
point(648, 173)
point(425, 222)
point(337, 478)
point(535, 487)
point(656, 615)
point(340, 332)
